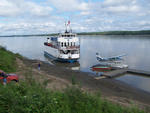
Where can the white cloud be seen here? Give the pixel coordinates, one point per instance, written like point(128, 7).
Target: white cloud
point(37, 10)
point(32, 17)
point(119, 2)
point(84, 13)
point(117, 6)
point(28, 28)
point(8, 8)
point(69, 5)
point(123, 9)
point(21, 7)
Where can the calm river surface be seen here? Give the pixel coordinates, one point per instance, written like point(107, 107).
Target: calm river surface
point(137, 49)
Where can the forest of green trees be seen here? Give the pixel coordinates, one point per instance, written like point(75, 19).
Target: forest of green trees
point(143, 32)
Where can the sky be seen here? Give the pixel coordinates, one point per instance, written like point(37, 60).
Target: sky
point(23, 17)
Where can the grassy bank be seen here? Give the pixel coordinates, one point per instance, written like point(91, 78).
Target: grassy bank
point(29, 96)
point(34, 98)
point(7, 60)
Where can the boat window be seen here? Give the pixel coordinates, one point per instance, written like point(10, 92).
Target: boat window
point(74, 44)
point(65, 52)
point(61, 52)
point(63, 35)
point(68, 43)
point(72, 52)
point(71, 43)
point(65, 44)
point(76, 52)
point(62, 44)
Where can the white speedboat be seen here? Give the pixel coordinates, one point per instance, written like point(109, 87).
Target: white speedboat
point(65, 47)
point(115, 64)
point(118, 65)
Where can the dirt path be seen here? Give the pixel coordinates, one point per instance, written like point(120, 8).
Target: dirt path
point(58, 78)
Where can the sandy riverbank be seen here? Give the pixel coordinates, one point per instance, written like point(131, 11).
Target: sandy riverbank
point(59, 78)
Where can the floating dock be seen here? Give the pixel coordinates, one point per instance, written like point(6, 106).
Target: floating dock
point(119, 72)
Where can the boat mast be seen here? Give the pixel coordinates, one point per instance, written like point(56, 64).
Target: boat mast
point(67, 25)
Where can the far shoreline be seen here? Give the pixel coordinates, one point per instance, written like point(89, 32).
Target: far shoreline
point(105, 33)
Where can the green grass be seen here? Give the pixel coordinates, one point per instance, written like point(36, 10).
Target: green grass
point(34, 98)
point(7, 60)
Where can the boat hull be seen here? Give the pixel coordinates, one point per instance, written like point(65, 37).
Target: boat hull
point(101, 68)
point(59, 59)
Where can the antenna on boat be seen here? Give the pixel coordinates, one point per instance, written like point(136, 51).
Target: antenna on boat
point(70, 30)
point(66, 27)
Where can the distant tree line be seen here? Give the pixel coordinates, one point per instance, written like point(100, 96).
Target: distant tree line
point(54, 34)
point(143, 32)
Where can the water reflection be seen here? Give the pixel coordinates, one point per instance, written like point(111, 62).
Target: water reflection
point(30, 47)
point(136, 81)
point(73, 66)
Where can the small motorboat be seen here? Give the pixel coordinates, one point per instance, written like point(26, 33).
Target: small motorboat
point(101, 68)
point(117, 65)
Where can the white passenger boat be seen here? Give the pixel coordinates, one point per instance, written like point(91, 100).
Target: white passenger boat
point(65, 47)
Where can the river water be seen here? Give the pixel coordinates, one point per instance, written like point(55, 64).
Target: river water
point(136, 48)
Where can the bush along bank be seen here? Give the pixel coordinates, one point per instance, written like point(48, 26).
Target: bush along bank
point(7, 60)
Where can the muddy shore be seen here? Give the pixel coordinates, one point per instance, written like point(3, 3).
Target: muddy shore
point(110, 89)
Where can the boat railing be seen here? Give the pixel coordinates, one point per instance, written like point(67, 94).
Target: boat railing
point(67, 35)
point(68, 55)
point(69, 47)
